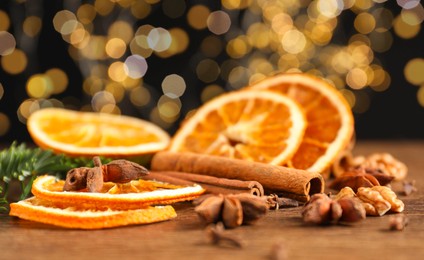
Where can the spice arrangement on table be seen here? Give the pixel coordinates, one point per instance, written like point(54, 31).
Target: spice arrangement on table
point(285, 141)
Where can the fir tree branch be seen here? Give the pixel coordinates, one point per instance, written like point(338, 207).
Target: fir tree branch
point(22, 164)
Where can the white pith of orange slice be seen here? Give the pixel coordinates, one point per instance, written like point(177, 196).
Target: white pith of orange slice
point(140, 194)
point(330, 122)
point(79, 133)
point(41, 211)
point(259, 126)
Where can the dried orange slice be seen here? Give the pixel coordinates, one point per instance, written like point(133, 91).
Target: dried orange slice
point(35, 209)
point(330, 123)
point(88, 133)
point(252, 125)
point(133, 195)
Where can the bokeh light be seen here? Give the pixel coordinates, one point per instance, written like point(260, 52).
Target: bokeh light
point(7, 43)
point(161, 59)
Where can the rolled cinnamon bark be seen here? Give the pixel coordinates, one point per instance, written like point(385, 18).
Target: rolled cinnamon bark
point(291, 183)
point(209, 183)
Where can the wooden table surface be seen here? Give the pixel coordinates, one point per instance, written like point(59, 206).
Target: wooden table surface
point(184, 237)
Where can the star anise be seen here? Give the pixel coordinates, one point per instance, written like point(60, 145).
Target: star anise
point(232, 209)
point(361, 177)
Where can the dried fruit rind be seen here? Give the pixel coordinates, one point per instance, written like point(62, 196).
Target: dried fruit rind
point(49, 188)
point(38, 210)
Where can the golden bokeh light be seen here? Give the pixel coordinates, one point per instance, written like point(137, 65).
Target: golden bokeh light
point(159, 39)
point(15, 62)
point(218, 22)
point(7, 43)
point(414, 71)
point(173, 86)
point(86, 13)
point(32, 26)
point(140, 96)
point(95, 48)
point(120, 47)
point(4, 21)
point(405, 30)
point(117, 71)
point(140, 9)
point(64, 22)
point(121, 30)
point(197, 16)
point(115, 48)
point(103, 101)
point(238, 47)
point(210, 92)
point(169, 108)
point(58, 79)
point(4, 124)
point(364, 23)
point(293, 41)
point(420, 96)
point(103, 7)
point(180, 41)
point(236, 4)
point(207, 70)
point(39, 86)
point(211, 46)
point(117, 90)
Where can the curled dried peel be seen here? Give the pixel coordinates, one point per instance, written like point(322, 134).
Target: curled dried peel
point(149, 193)
point(38, 210)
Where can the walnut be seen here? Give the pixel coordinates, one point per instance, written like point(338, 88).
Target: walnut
point(396, 204)
point(383, 162)
point(386, 163)
point(346, 192)
point(373, 197)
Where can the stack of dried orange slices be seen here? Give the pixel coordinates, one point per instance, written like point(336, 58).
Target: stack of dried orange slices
point(92, 210)
point(88, 134)
point(296, 120)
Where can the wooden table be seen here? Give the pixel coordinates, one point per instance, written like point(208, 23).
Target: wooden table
point(184, 237)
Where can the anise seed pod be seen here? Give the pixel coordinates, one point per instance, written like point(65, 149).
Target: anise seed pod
point(232, 212)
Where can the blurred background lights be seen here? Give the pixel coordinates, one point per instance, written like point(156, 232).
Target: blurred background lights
point(197, 16)
point(14, 63)
point(115, 48)
point(414, 71)
point(161, 59)
point(103, 100)
point(4, 124)
point(135, 66)
point(408, 4)
point(159, 39)
point(173, 86)
point(218, 22)
point(7, 43)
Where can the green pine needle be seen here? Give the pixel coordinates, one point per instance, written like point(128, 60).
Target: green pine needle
point(22, 164)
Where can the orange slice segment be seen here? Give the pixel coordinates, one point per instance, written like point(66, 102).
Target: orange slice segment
point(35, 209)
point(133, 195)
point(89, 133)
point(251, 125)
point(330, 123)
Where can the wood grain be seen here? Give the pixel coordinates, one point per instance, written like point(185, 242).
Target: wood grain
point(184, 237)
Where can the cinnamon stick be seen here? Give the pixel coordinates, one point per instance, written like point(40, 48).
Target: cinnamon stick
point(209, 183)
point(291, 183)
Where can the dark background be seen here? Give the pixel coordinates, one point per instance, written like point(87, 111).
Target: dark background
point(393, 114)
